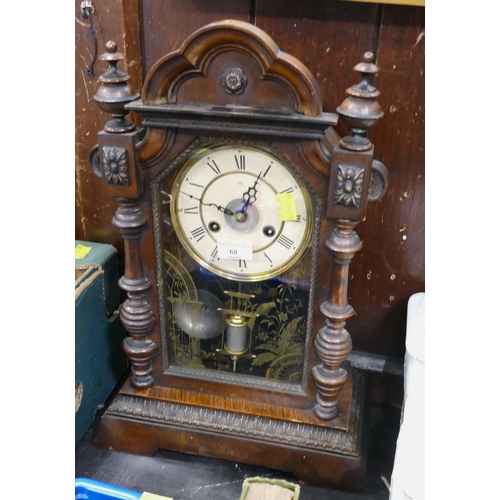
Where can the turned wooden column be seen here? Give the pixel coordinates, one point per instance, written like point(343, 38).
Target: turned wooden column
point(355, 178)
point(333, 342)
point(115, 161)
point(136, 313)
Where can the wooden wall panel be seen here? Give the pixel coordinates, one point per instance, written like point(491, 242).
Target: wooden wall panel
point(328, 37)
point(115, 20)
point(167, 23)
point(390, 267)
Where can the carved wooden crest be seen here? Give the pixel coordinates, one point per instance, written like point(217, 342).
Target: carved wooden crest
point(192, 75)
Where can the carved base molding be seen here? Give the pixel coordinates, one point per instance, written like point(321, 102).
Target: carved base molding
point(319, 455)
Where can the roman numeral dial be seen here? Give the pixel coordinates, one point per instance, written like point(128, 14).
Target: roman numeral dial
point(227, 212)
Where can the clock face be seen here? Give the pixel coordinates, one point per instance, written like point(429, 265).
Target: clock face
point(241, 213)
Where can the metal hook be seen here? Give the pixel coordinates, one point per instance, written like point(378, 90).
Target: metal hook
point(86, 4)
point(87, 9)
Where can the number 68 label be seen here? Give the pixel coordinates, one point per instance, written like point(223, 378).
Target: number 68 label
point(234, 249)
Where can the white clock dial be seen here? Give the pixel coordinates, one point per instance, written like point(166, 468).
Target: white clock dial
point(241, 213)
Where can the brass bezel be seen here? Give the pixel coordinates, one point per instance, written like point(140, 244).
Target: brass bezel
point(191, 250)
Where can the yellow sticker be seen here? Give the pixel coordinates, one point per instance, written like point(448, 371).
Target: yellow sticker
point(286, 206)
point(152, 496)
point(81, 251)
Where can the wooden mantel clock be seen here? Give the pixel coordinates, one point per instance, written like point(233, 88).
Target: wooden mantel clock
point(237, 203)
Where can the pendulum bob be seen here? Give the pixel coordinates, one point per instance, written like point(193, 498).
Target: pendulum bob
point(237, 334)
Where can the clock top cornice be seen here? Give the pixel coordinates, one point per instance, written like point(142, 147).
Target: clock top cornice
point(192, 74)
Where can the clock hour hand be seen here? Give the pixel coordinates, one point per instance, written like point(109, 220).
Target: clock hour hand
point(218, 207)
point(250, 196)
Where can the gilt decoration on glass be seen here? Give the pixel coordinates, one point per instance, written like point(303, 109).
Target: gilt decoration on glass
point(236, 248)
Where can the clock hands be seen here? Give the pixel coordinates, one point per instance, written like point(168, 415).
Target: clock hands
point(218, 207)
point(249, 196)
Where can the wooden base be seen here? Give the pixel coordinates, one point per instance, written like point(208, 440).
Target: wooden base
point(318, 454)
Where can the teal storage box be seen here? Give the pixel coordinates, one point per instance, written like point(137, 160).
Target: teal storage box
point(99, 358)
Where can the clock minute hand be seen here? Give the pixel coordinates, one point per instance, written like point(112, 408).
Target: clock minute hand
point(218, 207)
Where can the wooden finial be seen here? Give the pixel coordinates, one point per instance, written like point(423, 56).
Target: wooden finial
point(115, 92)
point(361, 109)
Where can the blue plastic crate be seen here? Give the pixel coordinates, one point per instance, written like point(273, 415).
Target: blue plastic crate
point(88, 489)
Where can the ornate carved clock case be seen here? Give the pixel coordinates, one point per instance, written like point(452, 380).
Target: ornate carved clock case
point(237, 203)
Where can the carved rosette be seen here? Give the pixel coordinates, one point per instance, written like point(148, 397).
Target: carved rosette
point(349, 187)
point(233, 80)
point(115, 165)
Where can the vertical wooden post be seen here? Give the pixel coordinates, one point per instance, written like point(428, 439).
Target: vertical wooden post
point(117, 164)
point(333, 342)
point(136, 313)
point(349, 192)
